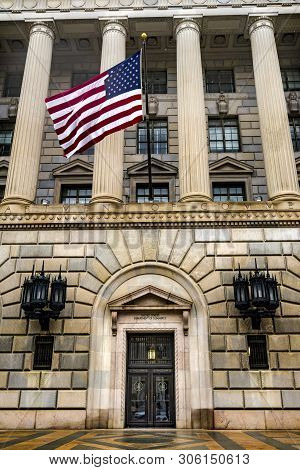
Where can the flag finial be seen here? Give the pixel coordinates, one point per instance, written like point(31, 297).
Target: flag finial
point(144, 36)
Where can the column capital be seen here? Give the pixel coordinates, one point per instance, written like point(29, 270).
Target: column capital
point(42, 27)
point(114, 24)
point(256, 22)
point(190, 23)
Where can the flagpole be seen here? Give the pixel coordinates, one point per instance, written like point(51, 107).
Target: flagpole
point(144, 38)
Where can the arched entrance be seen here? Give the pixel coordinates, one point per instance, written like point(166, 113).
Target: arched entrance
point(112, 324)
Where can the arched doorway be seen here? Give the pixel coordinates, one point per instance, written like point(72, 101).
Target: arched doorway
point(108, 372)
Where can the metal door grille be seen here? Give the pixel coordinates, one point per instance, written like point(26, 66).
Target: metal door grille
point(43, 352)
point(258, 355)
point(139, 350)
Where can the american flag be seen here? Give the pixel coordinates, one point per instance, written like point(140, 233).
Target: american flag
point(107, 103)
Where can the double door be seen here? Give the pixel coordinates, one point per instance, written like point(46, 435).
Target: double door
point(150, 398)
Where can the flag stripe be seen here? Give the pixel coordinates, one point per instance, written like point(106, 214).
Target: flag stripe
point(72, 92)
point(96, 137)
point(95, 115)
point(69, 105)
point(98, 126)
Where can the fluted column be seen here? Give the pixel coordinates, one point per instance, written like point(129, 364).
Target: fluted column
point(108, 159)
point(26, 148)
point(274, 124)
point(192, 133)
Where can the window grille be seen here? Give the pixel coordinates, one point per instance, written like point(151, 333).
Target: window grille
point(80, 194)
point(139, 346)
point(295, 132)
point(218, 81)
point(160, 192)
point(290, 79)
point(234, 192)
point(81, 77)
point(6, 137)
point(158, 137)
point(43, 352)
point(224, 135)
point(257, 349)
point(157, 82)
point(13, 84)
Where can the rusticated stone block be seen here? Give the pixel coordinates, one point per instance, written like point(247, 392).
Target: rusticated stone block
point(10, 283)
point(282, 419)
point(89, 282)
point(17, 419)
point(12, 327)
point(77, 264)
point(64, 343)
point(295, 342)
point(244, 379)
point(241, 419)
point(78, 361)
point(223, 325)
point(289, 310)
point(11, 361)
point(18, 238)
point(261, 249)
point(56, 379)
point(236, 343)
point(4, 250)
point(60, 419)
point(7, 269)
point(23, 343)
point(80, 380)
point(218, 310)
point(106, 257)
point(150, 241)
point(211, 281)
point(38, 399)
point(84, 296)
point(24, 380)
point(228, 399)
point(78, 326)
point(232, 249)
point(82, 343)
point(6, 343)
point(262, 399)
point(68, 251)
point(88, 236)
point(212, 235)
point(71, 399)
point(290, 280)
point(53, 236)
point(36, 251)
point(250, 234)
point(289, 360)
point(222, 360)
point(287, 325)
point(98, 270)
point(277, 379)
point(290, 295)
point(181, 246)
point(166, 241)
point(220, 379)
point(283, 234)
point(3, 379)
point(195, 254)
point(291, 398)
point(278, 343)
point(223, 263)
point(117, 244)
point(205, 267)
point(297, 378)
point(82, 311)
point(215, 295)
point(9, 399)
point(217, 343)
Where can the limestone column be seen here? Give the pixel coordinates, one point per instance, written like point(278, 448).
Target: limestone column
point(192, 133)
point(26, 148)
point(274, 124)
point(108, 158)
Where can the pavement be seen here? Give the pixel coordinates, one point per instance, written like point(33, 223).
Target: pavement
point(150, 439)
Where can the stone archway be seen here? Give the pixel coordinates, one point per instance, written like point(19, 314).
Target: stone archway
point(104, 409)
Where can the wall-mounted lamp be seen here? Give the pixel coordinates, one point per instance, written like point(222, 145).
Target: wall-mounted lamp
point(34, 300)
point(264, 299)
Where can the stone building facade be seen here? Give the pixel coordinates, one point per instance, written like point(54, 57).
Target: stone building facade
point(225, 121)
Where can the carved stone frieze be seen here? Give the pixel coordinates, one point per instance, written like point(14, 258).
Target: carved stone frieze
point(205, 214)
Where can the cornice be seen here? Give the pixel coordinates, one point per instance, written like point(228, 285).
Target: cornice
point(102, 216)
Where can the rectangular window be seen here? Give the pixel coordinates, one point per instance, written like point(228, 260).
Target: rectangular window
point(160, 192)
point(157, 82)
point(80, 194)
point(223, 135)
point(234, 192)
point(291, 79)
point(158, 137)
point(295, 132)
point(79, 78)
point(12, 86)
point(6, 137)
point(257, 350)
point(218, 81)
point(43, 352)
point(2, 192)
